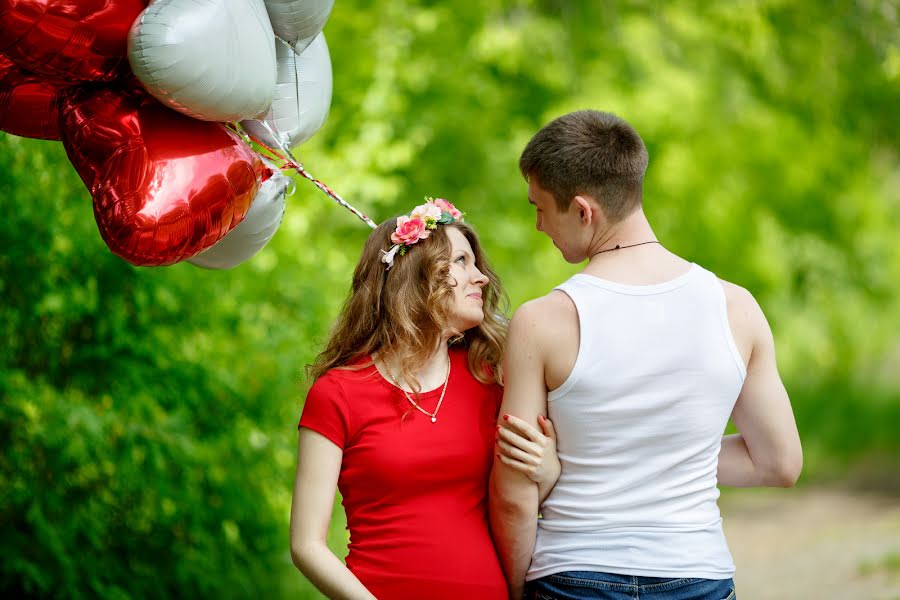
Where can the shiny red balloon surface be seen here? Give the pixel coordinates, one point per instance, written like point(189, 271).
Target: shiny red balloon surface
point(29, 104)
point(69, 40)
point(165, 186)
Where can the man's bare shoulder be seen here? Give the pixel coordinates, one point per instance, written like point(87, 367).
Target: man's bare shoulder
point(736, 294)
point(545, 313)
point(548, 328)
point(741, 302)
point(748, 323)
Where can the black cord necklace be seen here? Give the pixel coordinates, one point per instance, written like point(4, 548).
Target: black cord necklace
point(618, 247)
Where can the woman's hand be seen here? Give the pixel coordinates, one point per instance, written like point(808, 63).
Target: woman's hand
point(527, 450)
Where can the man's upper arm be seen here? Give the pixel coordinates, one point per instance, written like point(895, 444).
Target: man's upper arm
point(763, 411)
point(525, 393)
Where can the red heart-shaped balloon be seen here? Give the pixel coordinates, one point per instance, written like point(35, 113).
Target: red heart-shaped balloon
point(69, 40)
point(29, 104)
point(165, 186)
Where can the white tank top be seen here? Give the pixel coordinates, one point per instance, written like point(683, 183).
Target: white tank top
point(640, 421)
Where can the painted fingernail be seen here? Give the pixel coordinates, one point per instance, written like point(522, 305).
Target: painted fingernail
point(506, 417)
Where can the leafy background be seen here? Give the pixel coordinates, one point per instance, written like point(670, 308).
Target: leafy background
point(148, 414)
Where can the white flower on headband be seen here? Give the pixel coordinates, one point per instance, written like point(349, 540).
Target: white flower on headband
point(387, 256)
point(427, 212)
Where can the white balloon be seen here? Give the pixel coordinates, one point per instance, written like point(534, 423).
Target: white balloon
point(302, 96)
point(209, 59)
point(298, 22)
point(254, 232)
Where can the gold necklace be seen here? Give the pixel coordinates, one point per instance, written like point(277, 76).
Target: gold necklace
point(414, 403)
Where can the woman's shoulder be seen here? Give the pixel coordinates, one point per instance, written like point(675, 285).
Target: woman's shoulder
point(458, 352)
point(350, 378)
point(460, 359)
point(483, 393)
point(348, 374)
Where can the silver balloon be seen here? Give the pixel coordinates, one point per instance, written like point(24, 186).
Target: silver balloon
point(254, 232)
point(298, 22)
point(302, 96)
point(209, 59)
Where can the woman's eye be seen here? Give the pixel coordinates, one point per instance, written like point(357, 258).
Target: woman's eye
point(461, 260)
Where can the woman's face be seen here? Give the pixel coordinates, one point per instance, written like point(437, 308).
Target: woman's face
point(467, 281)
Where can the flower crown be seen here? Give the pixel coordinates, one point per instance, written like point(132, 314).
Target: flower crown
point(418, 226)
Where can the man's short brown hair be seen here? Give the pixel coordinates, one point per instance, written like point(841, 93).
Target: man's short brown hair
point(588, 152)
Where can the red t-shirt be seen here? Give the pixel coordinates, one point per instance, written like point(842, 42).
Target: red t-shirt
point(415, 492)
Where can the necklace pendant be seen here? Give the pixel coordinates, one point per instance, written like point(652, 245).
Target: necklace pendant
point(433, 419)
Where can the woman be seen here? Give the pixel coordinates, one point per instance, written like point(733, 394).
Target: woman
point(401, 418)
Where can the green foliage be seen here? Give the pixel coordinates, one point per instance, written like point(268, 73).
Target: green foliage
point(889, 563)
point(148, 415)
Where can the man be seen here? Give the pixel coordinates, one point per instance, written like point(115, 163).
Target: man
point(639, 360)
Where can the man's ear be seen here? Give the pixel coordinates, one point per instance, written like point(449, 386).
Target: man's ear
point(585, 209)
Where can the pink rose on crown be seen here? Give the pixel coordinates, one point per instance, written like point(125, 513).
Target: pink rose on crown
point(428, 212)
point(448, 208)
point(409, 231)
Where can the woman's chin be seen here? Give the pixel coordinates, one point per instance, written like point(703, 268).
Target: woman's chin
point(467, 322)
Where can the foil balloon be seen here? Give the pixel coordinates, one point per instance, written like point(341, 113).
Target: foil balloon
point(254, 232)
point(298, 22)
point(209, 59)
point(68, 40)
point(302, 96)
point(165, 186)
point(29, 104)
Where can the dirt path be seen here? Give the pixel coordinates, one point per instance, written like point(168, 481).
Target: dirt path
point(814, 544)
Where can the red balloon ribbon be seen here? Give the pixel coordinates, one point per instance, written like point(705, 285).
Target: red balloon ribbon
point(165, 186)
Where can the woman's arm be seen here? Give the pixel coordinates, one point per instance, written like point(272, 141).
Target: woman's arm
point(318, 467)
point(527, 450)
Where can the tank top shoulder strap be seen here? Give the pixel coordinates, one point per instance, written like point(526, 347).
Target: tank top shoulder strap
point(579, 292)
point(711, 282)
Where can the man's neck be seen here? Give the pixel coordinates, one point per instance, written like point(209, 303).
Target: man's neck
point(630, 231)
point(636, 262)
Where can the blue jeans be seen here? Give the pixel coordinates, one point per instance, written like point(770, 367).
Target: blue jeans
point(586, 585)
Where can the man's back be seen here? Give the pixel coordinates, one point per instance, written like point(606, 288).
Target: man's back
point(639, 416)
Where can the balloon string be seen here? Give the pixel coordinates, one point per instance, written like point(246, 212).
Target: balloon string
point(297, 94)
point(291, 162)
point(286, 164)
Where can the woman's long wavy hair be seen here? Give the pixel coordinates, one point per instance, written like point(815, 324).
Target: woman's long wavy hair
point(402, 313)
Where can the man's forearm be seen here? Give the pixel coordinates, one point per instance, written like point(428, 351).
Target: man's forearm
point(736, 467)
point(513, 516)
